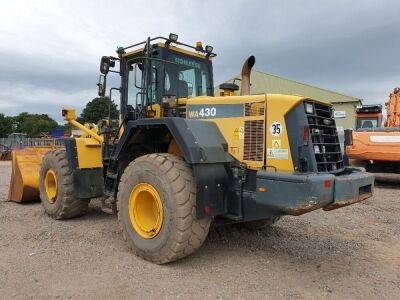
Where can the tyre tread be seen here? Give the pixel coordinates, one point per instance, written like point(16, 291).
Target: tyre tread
point(70, 206)
point(190, 233)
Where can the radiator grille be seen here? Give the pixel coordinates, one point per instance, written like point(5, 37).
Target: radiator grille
point(254, 140)
point(254, 109)
point(325, 139)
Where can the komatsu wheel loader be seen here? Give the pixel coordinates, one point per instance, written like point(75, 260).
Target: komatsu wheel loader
point(182, 158)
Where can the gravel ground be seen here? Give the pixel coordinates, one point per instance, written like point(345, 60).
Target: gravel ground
point(351, 253)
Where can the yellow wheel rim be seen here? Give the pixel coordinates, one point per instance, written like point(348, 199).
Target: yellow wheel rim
point(145, 210)
point(50, 184)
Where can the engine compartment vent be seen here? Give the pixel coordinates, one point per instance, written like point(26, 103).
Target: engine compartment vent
point(254, 109)
point(253, 140)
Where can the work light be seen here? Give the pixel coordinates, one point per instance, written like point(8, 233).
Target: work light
point(209, 49)
point(309, 108)
point(173, 37)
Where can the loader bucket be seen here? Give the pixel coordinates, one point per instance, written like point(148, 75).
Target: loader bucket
point(24, 184)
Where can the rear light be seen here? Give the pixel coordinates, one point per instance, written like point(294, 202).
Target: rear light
point(306, 135)
point(327, 183)
point(207, 210)
point(348, 137)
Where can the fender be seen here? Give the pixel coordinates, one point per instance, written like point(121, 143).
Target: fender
point(200, 142)
point(203, 147)
point(86, 166)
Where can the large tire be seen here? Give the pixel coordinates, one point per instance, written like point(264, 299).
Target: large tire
point(63, 205)
point(180, 233)
point(261, 224)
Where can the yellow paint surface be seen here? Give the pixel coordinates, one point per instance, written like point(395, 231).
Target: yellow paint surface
point(89, 153)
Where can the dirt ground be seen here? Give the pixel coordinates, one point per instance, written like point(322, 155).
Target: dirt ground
point(350, 253)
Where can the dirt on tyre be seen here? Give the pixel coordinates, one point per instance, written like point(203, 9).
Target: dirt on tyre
point(261, 224)
point(157, 208)
point(57, 189)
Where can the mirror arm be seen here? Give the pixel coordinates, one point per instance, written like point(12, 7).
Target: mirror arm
point(102, 85)
point(109, 102)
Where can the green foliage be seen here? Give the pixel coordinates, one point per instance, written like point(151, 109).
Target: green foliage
point(6, 125)
point(33, 124)
point(97, 109)
point(67, 129)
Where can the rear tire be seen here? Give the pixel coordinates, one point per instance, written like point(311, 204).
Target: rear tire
point(261, 224)
point(180, 233)
point(60, 202)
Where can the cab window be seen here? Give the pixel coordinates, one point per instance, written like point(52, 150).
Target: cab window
point(135, 84)
point(186, 77)
point(367, 123)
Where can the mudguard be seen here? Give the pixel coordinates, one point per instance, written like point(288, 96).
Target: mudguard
point(203, 147)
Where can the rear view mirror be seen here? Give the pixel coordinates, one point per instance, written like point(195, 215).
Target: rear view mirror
point(105, 64)
point(102, 86)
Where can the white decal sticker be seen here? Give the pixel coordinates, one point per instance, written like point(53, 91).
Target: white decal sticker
point(385, 138)
point(337, 114)
point(208, 112)
point(275, 128)
point(241, 133)
point(277, 153)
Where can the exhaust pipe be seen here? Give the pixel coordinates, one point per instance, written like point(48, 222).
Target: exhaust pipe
point(246, 70)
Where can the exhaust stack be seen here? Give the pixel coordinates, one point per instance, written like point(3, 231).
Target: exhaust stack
point(246, 70)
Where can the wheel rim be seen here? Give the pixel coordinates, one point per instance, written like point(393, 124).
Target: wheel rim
point(145, 210)
point(50, 184)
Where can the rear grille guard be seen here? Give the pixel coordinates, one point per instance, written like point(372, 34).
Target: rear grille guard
point(325, 140)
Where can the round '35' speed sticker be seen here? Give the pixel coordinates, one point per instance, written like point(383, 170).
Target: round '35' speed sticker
point(276, 128)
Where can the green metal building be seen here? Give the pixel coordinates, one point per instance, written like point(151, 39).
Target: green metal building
point(266, 83)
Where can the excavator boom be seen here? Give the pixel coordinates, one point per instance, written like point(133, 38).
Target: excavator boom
point(393, 109)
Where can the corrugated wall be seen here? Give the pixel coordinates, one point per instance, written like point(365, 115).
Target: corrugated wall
point(349, 109)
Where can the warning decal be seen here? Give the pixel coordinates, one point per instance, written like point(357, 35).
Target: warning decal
point(238, 133)
point(276, 143)
point(277, 153)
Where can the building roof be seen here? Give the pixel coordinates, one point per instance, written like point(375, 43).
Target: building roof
point(262, 82)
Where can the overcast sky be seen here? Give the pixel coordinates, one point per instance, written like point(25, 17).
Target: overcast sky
point(50, 50)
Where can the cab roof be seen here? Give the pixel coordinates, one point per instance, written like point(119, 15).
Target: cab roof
point(174, 45)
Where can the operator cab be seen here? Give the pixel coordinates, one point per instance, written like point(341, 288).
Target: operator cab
point(368, 116)
point(158, 72)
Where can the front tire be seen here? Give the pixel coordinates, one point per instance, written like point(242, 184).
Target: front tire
point(57, 189)
point(157, 208)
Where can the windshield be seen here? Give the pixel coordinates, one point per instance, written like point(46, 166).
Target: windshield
point(367, 123)
point(187, 77)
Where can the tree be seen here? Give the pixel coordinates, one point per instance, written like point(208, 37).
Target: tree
point(34, 124)
point(97, 109)
point(67, 129)
point(6, 125)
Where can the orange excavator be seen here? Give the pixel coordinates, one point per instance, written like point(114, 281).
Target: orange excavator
point(373, 146)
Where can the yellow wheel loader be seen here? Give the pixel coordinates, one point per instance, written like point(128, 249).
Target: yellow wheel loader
point(182, 158)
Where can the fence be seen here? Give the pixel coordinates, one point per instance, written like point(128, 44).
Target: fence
point(24, 142)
